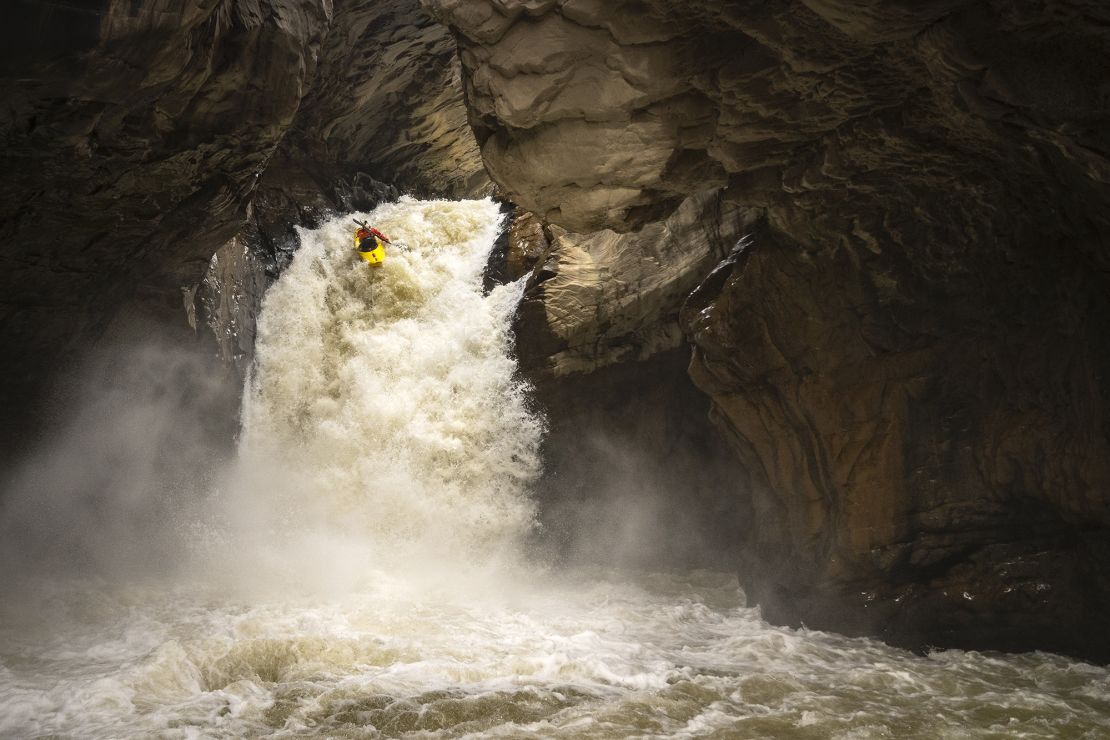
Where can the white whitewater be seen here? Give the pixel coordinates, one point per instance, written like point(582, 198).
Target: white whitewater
point(384, 415)
point(359, 572)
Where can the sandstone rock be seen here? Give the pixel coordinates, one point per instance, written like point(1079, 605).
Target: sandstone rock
point(923, 477)
point(528, 242)
point(909, 357)
point(517, 250)
point(585, 110)
point(634, 472)
point(605, 298)
point(387, 101)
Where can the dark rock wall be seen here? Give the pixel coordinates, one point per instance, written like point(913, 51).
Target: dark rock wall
point(634, 472)
point(128, 157)
point(942, 487)
point(909, 356)
point(388, 100)
point(140, 137)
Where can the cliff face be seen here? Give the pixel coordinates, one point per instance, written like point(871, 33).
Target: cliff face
point(141, 137)
point(132, 140)
point(908, 355)
point(634, 472)
point(605, 298)
point(387, 99)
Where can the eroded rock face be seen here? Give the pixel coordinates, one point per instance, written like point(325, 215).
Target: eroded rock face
point(138, 135)
point(605, 114)
point(129, 154)
point(634, 472)
point(587, 112)
point(605, 298)
point(528, 242)
point(935, 478)
point(909, 355)
point(387, 101)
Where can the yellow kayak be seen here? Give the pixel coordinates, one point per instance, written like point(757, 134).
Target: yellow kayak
point(375, 255)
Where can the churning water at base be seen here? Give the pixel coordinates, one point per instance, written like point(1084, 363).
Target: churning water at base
point(594, 658)
point(356, 576)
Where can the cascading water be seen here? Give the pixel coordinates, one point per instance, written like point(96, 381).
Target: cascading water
point(358, 571)
point(384, 412)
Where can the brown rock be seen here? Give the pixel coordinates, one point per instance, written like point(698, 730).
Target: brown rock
point(604, 298)
point(138, 134)
point(527, 244)
point(910, 356)
point(913, 486)
point(129, 155)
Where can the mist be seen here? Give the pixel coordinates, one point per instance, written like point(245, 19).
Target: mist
point(383, 431)
point(148, 476)
point(635, 474)
point(119, 482)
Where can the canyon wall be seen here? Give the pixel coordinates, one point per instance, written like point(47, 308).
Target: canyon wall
point(142, 137)
point(132, 141)
point(880, 229)
point(908, 355)
point(634, 472)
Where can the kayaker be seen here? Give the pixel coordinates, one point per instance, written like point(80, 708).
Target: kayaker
point(366, 236)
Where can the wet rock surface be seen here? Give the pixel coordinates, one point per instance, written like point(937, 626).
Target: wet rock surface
point(940, 489)
point(635, 474)
point(909, 355)
point(529, 241)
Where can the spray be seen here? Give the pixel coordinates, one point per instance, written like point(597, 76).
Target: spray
point(384, 417)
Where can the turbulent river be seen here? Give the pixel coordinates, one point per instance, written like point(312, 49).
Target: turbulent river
point(361, 570)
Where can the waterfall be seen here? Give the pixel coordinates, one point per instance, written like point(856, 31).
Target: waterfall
point(355, 574)
point(384, 410)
